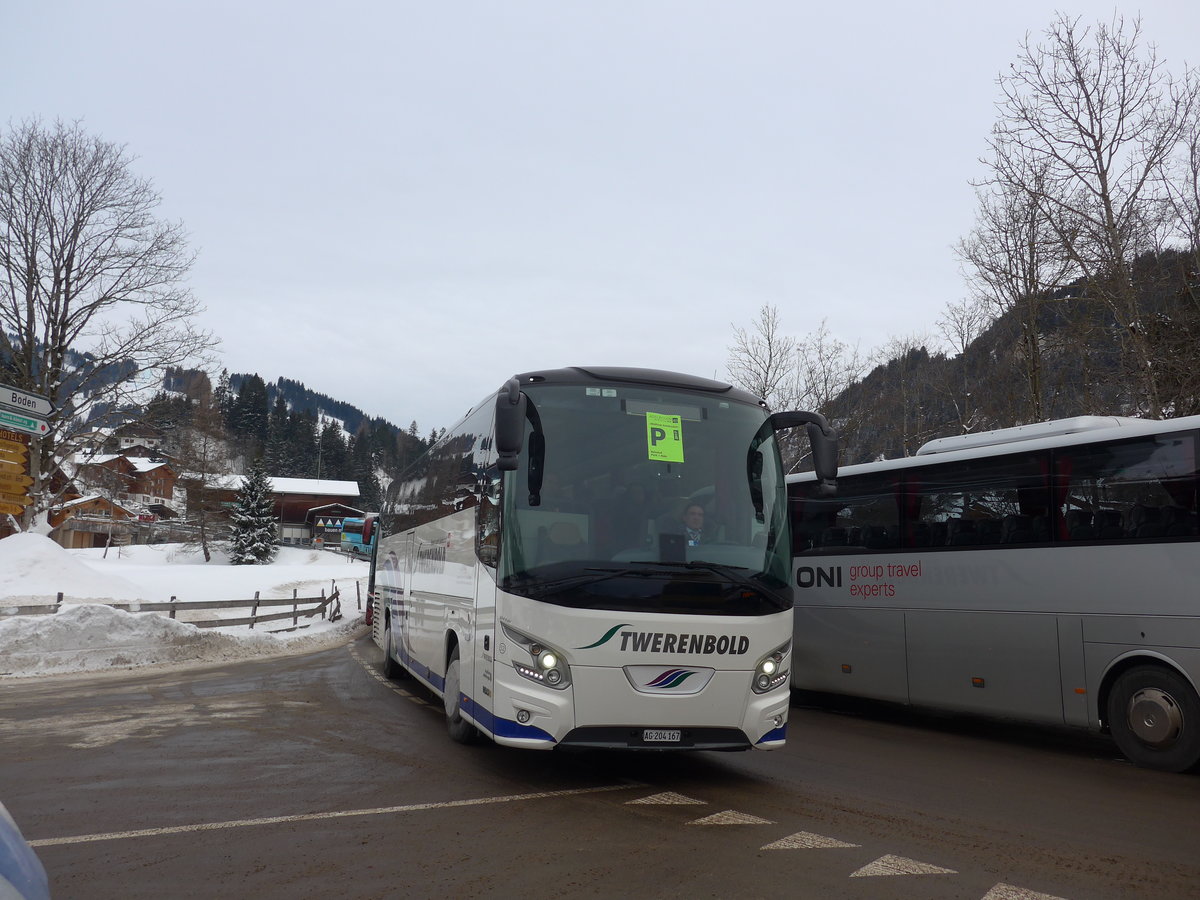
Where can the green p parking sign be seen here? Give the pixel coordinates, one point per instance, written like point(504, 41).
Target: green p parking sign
point(664, 437)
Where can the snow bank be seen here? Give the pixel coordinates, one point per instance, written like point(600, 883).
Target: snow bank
point(91, 637)
point(34, 569)
point(85, 636)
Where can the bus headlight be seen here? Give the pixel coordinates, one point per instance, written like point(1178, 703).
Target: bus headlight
point(546, 665)
point(772, 670)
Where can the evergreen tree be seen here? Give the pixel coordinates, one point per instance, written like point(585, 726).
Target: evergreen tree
point(302, 439)
point(253, 540)
point(279, 455)
point(223, 398)
point(334, 458)
point(363, 459)
point(250, 416)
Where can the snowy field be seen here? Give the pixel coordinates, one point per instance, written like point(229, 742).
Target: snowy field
point(86, 636)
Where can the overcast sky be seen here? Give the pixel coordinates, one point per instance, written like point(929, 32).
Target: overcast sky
point(402, 204)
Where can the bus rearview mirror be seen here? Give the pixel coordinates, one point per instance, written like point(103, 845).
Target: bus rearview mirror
point(510, 425)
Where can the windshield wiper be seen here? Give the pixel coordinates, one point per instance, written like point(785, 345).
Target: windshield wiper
point(534, 587)
point(733, 573)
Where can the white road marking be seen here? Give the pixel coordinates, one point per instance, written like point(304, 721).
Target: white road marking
point(731, 817)
point(806, 840)
point(315, 817)
point(1012, 892)
point(899, 865)
point(387, 683)
point(667, 798)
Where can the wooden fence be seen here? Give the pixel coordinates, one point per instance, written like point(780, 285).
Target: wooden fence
point(301, 608)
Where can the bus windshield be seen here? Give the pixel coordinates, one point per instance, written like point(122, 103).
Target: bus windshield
point(639, 497)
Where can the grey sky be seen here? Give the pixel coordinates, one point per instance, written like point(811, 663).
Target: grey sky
point(401, 204)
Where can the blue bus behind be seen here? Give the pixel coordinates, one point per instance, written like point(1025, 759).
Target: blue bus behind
point(358, 535)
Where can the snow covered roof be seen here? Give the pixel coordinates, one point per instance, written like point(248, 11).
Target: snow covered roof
point(141, 463)
point(79, 501)
point(313, 486)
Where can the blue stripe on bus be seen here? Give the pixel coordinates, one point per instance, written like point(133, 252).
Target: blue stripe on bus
point(423, 672)
point(779, 734)
point(484, 718)
point(505, 728)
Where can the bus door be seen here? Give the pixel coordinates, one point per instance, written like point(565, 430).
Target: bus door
point(487, 549)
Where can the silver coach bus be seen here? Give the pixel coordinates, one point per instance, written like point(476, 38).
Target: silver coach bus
point(1048, 573)
point(535, 570)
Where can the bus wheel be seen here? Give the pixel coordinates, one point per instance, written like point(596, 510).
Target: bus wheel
point(1154, 716)
point(391, 668)
point(460, 729)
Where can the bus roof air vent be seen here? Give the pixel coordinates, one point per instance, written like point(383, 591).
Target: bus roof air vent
point(1038, 430)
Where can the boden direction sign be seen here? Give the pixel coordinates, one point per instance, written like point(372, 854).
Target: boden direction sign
point(34, 405)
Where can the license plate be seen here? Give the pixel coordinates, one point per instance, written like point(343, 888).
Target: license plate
point(662, 735)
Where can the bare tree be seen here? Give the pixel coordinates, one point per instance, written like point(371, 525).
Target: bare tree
point(1088, 122)
point(204, 461)
point(809, 373)
point(763, 360)
point(1015, 262)
point(962, 322)
point(92, 302)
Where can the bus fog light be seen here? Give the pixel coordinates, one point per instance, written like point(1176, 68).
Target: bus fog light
point(523, 716)
point(553, 677)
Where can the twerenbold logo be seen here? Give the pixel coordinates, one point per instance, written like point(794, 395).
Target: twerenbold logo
point(674, 642)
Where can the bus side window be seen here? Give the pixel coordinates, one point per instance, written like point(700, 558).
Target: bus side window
point(1139, 489)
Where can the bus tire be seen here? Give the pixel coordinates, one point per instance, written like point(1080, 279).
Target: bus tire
point(1154, 717)
point(391, 668)
point(459, 728)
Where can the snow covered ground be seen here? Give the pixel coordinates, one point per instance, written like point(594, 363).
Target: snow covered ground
point(86, 636)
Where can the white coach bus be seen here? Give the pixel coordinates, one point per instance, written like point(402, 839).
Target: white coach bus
point(1049, 573)
point(533, 568)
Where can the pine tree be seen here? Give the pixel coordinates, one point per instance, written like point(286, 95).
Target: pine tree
point(253, 520)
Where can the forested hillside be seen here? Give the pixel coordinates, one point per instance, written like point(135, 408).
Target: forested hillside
point(297, 433)
point(920, 394)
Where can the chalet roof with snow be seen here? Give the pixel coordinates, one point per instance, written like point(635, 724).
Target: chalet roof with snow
point(316, 486)
point(92, 498)
point(141, 464)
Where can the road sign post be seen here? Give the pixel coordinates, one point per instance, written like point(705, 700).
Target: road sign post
point(24, 402)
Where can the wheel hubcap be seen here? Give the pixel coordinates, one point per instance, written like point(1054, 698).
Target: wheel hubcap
point(1155, 717)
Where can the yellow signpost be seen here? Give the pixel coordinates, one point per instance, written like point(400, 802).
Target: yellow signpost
point(12, 464)
point(13, 481)
point(14, 456)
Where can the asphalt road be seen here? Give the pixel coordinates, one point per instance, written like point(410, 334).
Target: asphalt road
point(313, 777)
